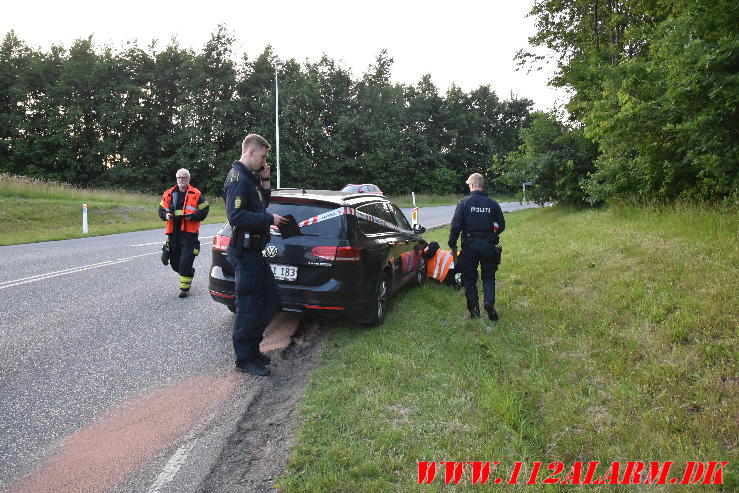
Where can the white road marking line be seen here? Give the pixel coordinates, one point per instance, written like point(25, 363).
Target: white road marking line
point(55, 272)
point(149, 244)
point(161, 242)
point(48, 275)
point(172, 467)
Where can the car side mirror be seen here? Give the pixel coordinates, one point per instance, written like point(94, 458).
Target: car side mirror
point(418, 229)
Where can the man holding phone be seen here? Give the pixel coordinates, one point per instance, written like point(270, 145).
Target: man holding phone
point(183, 207)
point(246, 193)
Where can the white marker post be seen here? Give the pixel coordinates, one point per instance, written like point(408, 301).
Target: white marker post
point(84, 219)
point(414, 212)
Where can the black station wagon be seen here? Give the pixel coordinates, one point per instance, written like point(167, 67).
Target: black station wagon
point(354, 251)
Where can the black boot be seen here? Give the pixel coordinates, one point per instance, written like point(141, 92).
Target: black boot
point(474, 309)
point(492, 314)
point(262, 358)
point(184, 293)
point(254, 368)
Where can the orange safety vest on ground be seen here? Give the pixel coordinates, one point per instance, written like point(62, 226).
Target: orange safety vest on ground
point(192, 197)
point(438, 266)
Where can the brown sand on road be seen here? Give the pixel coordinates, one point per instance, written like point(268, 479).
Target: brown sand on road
point(98, 457)
point(102, 455)
point(279, 332)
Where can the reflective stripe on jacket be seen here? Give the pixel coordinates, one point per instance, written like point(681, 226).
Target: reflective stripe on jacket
point(438, 266)
point(192, 197)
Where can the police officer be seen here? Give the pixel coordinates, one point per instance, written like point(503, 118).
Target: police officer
point(480, 220)
point(246, 193)
point(183, 207)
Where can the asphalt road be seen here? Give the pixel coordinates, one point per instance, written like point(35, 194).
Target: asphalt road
point(88, 327)
point(101, 363)
point(434, 217)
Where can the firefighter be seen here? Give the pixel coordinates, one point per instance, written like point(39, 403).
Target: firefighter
point(480, 220)
point(183, 207)
point(246, 193)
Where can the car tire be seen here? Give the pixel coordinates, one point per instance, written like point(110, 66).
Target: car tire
point(380, 301)
point(420, 272)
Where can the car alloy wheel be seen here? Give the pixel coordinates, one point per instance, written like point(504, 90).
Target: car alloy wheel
point(382, 299)
point(421, 271)
point(379, 302)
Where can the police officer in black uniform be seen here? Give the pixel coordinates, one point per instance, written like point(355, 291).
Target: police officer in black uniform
point(480, 220)
point(246, 193)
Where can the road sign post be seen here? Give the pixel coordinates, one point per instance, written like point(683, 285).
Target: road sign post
point(414, 212)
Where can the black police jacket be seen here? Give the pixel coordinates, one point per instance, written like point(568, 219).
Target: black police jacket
point(475, 214)
point(246, 201)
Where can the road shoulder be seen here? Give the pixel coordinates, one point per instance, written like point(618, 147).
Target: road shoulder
point(259, 449)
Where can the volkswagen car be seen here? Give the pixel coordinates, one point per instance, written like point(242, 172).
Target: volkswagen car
point(354, 251)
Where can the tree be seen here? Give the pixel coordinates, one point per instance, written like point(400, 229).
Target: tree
point(131, 118)
point(556, 157)
point(667, 122)
point(655, 84)
point(422, 137)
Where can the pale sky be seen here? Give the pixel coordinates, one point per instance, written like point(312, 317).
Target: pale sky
point(469, 43)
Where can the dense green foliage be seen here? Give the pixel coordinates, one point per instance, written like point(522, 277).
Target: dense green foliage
point(131, 118)
point(656, 85)
point(555, 157)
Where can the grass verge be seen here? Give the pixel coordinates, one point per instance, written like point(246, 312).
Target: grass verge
point(35, 210)
point(617, 341)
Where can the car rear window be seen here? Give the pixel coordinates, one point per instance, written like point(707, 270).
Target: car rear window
point(332, 227)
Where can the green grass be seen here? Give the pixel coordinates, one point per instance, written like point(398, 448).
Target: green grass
point(617, 341)
point(424, 200)
point(35, 210)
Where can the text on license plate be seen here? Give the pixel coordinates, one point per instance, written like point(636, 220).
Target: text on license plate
point(285, 272)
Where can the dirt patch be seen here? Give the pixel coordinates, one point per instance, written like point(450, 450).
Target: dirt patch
point(258, 451)
point(125, 213)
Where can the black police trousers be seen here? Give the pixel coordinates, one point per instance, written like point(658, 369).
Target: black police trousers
point(257, 300)
point(478, 251)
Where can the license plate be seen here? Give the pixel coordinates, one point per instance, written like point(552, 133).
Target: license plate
point(284, 272)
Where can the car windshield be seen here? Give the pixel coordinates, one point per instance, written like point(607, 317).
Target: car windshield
point(329, 227)
point(351, 188)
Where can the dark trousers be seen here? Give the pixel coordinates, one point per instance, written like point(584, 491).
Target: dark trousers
point(183, 248)
point(257, 300)
point(478, 252)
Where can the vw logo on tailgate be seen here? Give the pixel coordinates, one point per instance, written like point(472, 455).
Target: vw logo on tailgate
point(271, 251)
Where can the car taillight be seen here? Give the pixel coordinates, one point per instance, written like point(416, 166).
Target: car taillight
point(337, 254)
point(220, 242)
